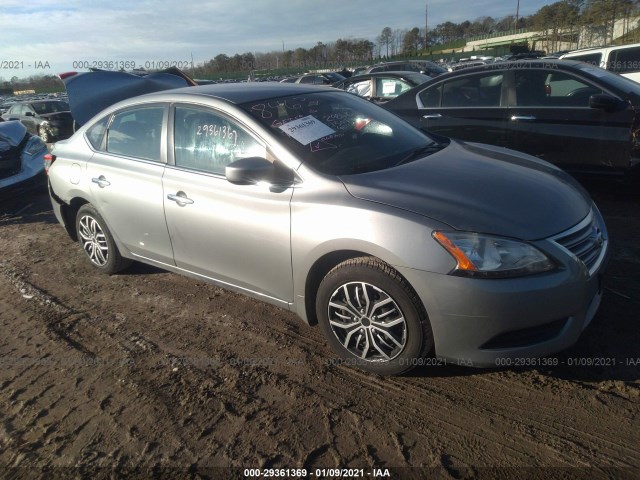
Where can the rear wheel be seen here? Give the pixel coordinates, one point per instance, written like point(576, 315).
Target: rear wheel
point(97, 242)
point(372, 318)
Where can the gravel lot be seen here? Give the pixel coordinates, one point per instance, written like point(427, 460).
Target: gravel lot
point(154, 374)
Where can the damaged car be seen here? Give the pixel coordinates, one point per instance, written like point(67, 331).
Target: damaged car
point(51, 120)
point(397, 244)
point(21, 156)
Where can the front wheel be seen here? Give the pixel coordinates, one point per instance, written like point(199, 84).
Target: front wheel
point(43, 133)
point(372, 317)
point(97, 242)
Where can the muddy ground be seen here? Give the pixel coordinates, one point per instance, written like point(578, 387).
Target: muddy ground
point(152, 374)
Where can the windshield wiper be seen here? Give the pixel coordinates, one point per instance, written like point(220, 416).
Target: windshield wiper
point(427, 149)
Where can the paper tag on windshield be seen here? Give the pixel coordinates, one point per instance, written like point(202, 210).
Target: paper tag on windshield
point(306, 130)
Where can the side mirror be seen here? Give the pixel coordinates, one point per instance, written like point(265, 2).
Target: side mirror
point(608, 103)
point(29, 114)
point(249, 171)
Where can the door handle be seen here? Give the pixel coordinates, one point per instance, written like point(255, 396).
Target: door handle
point(523, 118)
point(180, 198)
point(101, 181)
point(431, 116)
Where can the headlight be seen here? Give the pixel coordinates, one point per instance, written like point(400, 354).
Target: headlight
point(492, 257)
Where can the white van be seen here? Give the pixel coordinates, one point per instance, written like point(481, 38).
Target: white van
point(622, 59)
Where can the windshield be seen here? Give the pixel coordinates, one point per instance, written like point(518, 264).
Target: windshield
point(337, 133)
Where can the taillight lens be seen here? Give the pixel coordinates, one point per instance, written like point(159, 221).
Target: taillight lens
point(49, 158)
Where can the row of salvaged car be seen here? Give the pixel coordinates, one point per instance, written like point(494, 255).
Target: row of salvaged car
point(572, 114)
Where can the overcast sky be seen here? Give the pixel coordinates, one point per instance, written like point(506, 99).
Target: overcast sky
point(48, 36)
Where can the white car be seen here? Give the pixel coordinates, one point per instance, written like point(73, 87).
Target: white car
point(622, 59)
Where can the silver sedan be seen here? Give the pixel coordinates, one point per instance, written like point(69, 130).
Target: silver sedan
point(397, 244)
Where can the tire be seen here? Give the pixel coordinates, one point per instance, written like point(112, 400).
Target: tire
point(44, 134)
point(353, 326)
point(97, 242)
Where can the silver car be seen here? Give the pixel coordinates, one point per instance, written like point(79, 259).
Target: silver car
point(397, 244)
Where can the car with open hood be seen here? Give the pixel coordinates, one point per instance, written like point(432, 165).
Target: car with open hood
point(395, 243)
point(49, 119)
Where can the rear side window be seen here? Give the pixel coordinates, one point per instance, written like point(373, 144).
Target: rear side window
point(95, 134)
point(137, 133)
point(482, 90)
point(624, 60)
point(592, 58)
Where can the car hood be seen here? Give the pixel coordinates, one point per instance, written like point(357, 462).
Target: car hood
point(11, 134)
point(91, 92)
point(480, 188)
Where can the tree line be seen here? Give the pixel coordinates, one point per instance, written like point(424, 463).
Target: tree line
point(559, 21)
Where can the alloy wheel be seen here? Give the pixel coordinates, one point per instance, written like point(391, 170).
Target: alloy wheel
point(367, 321)
point(94, 241)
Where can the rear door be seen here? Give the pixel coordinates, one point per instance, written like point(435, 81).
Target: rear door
point(550, 118)
point(468, 107)
point(126, 179)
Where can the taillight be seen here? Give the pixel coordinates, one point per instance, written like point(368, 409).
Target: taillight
point(49, 158)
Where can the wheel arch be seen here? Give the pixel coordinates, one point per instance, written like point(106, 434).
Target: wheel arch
point(322, 266)
point(69, 212)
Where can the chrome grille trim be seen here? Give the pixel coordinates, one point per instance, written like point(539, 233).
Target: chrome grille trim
point(587, 241)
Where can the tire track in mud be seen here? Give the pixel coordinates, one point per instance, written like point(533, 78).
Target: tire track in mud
point(407, 398)
point(167, 380)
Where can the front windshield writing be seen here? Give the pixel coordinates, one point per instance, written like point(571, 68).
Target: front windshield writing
point(337, 133)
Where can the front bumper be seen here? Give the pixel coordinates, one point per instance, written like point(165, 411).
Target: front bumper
point(482, 322)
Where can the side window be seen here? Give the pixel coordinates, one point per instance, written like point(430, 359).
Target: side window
point(361, 88)
point(624, 60)
point(208, 142)
point(95, 134)
point(540, 88)
point(482, 90)
point(307, 79)
point(390, 87)
point(137, 133)
point(430, 97)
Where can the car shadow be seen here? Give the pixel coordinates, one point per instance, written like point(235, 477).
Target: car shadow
point(138, 268)
point(26, 204)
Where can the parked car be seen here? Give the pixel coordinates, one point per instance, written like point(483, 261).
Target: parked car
point(466, 64)
point(419, 66)
point(21, 156)
point(325, 204)
point(622, 59)
point(5, 106)
point(328, 78)
point(383, 86)
point(49, 119)
point(569, 113)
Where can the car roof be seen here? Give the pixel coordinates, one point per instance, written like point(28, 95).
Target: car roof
point(237, 93)
point(515, 65)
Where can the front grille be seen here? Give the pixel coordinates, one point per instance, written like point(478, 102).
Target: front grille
point(586, 241)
